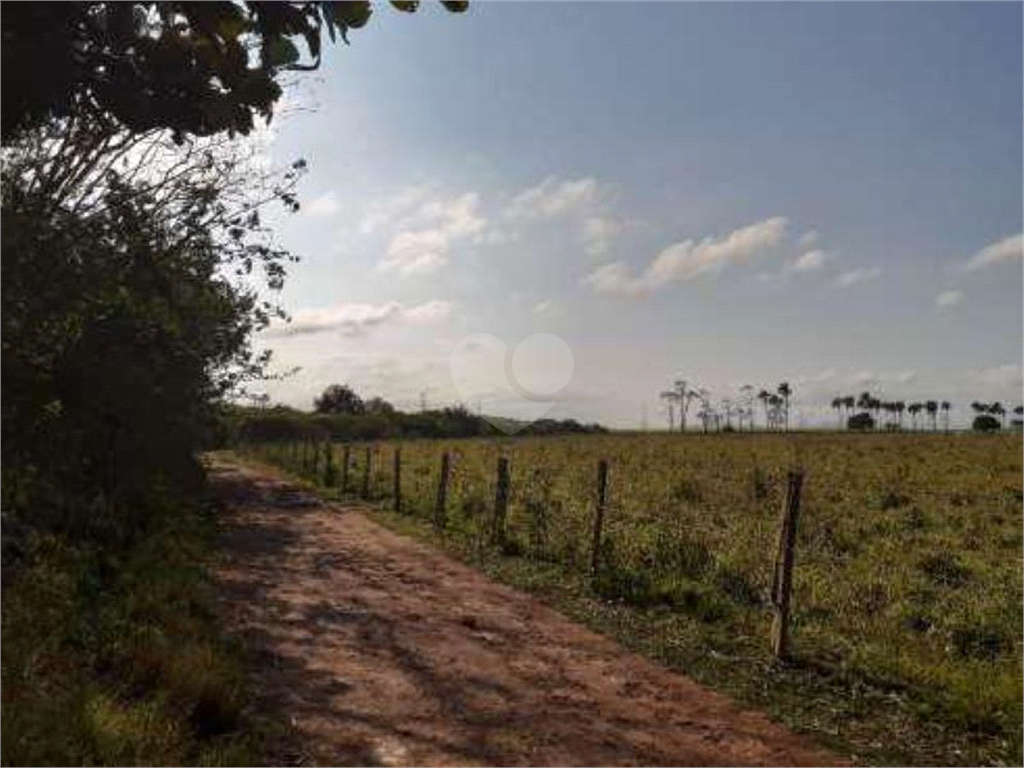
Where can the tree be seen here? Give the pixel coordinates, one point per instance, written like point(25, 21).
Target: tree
point(378, 406)
point(932, 407)
point(339, 398)
point(997, 409)
point(837, 404)
point(860, 422)
point(914, 409)
point(747, 406)
point(194, 68)
point(784, 392)
point(945, 405)
point(125, 323)
point(985, 423)
point(764, 397)
point(900, 408)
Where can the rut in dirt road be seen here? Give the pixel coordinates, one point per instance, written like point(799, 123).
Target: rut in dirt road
point(382, 651)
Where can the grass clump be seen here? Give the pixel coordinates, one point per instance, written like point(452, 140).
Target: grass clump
point(112, 655)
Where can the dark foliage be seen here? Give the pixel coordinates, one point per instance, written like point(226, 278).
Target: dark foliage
point(861, 422)
point(120, 335)
point(339, 398)
point(282, 424)
point(197, 68)
point(985, 423)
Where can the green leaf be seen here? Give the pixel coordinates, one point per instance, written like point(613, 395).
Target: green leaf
point(279, 51)
point(351, 14)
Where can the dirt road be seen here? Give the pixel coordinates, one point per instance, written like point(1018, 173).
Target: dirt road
point(382, 651)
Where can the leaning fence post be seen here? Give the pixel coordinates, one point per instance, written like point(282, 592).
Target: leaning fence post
point(440, 512)
point(344, 469)
point(500, 502)
point(398, 480)
point(366, 474)
point(782, 577)
point(602, 496)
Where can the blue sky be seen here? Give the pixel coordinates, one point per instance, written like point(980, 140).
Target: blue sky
point(727, 193)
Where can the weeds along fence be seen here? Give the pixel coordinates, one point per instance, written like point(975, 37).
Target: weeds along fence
point(662, 547)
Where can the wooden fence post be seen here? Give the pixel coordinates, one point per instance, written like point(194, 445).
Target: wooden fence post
point(329, 472)
point(344, 468)
point(316, 457)
point(305, 456)
point(782, 577)
point(366, 474)
point(398, 480)
point(440, 511)
point(602, 497)
point(500, 502)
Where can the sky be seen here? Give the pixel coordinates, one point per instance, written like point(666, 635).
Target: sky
point(559, 208)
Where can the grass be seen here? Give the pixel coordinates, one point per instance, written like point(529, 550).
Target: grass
point(114, 657)
point(907, 639)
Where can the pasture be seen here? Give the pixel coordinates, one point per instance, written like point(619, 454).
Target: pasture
point(906, 626)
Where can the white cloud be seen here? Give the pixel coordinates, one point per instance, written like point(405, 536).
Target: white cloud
point(1003, 377)
point(383, 212)
point(598, 233)
point(808, 262)
point(865, 377)
point(906, 377)
point(858, 276)
point(809, 238)
point(687, 260)
point(325, 205)
point(541, 307)
point(1008, 249)
point(610, 278)
point(358, 319)
point(553, 197)
point(429, 312)
point(949, 298)
point(424, 241)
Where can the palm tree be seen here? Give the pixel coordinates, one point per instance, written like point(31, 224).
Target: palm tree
point(945, 405)
point(763, 396)
point(914, 409)
point(900, 408)
point(837, 403)
point(850, 402)
point(933, 408)
point(747, 406)
point(785, 392)
point(876, 406)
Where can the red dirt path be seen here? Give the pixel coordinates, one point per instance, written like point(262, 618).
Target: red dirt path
point(382, 651)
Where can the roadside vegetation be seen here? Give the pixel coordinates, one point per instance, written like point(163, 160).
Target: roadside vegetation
point(907, 589)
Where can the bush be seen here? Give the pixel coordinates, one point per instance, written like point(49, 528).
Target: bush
point(860, 422)
point(985, 423)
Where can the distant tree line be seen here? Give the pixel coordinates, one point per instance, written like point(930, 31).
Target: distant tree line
point(728, 414)
point(340, 414)
point(888, 414)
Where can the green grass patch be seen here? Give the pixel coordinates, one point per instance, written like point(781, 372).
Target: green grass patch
point(114, 657)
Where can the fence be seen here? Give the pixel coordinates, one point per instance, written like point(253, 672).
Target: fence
point(563, 516)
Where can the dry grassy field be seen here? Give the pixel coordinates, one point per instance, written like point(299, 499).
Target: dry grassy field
point(907, 593)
